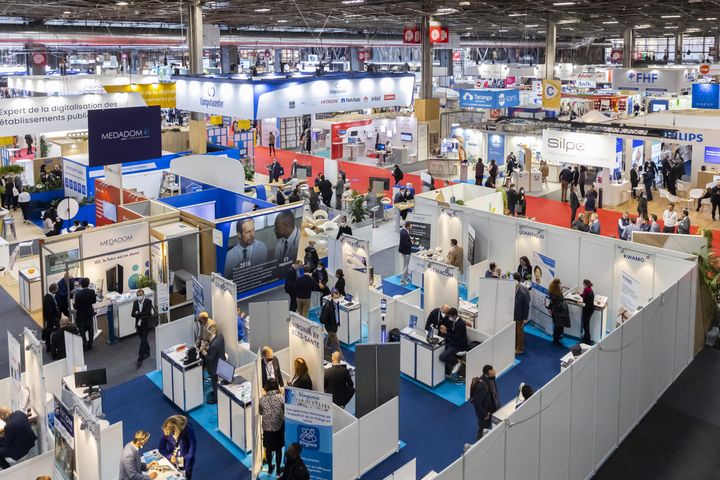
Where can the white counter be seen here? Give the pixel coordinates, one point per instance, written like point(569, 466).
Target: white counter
point(418, 264)
point(124, 323)
point(421, 360)
point(350, 328)
point(164, 469)
point(68, 383)
point(614, 193)
point(234, 414)
point(598, 321)
point(30, 289)
point(504, 412)
point(183, 384)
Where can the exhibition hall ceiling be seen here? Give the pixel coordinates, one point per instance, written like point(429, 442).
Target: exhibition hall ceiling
point(503, 18)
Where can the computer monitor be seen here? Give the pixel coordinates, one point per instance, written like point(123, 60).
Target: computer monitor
point(380, 147)
point(90, 378)
point(225, 370)
point(406, 137)
point(354, 133)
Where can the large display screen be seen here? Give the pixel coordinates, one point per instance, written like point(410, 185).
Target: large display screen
point(712, 154)
point(120, 135)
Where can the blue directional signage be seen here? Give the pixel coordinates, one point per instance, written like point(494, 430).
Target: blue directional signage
point(706, 95)
point(490, 98)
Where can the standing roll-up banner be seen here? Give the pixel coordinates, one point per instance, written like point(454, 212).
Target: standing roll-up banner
point(35, 381)
point(224, 307)
point(198, 296)
point(306, 342)
point(629, 293)
point(638, 266)
point(529, 240)
point(257, 450)
point(543, 274)
point(16, 389)
point(442, 282)
point(309, 422)
point(356, 267)
point(64, 426)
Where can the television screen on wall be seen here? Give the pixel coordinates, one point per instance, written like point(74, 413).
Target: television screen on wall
point(712, 154)
point(406, 137)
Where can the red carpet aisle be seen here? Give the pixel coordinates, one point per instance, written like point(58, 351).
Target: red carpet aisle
point(557, 213)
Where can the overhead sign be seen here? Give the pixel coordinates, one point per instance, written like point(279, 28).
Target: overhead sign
point(551, 90)
point(654, 79)
point(23, 115)
point(160, 94)
point(706, 95)
point(412, 35)
point(489, 98)
point(215, 97)
point(439, 34)
point(579, 148)
point(124, 135)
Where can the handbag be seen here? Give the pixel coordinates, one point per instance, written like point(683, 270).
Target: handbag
point(15, 192)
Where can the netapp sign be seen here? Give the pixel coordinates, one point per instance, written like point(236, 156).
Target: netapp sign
point(123, 135)
point(579, 148)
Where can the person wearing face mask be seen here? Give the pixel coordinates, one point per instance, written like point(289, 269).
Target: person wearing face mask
point(340, 282)
point(320, 276)
point(142, 310)
point(522, 313)
point(330, 318)
point(455, 333)
point(437, 317)
point(344, 229)
point(485, 399)
point(524, 269)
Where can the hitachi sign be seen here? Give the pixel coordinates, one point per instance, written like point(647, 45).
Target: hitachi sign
point(125, 134)
point(565, 145)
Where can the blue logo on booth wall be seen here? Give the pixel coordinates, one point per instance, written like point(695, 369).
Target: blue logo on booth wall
point(706, 95)
point(643, 77)
point(684, 136)
point(308, 437)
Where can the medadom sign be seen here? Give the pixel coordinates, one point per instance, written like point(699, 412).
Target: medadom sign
point(20, 116)
point(124, 135)
point(579, 148)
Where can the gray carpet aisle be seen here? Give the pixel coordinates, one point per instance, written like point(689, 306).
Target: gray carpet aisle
point(14, 319)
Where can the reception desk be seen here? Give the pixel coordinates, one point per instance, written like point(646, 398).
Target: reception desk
point(234, 413)
point(598, 321)
point(420, 359)
point(350, 328)
point(30, 289)
point(183, 384)
point(121, 305)
point(614, 193)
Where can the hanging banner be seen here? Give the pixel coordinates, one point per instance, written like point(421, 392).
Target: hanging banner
point(489, 98)
point(551, 94)
point(706, 95)
point(629, 292)
point(412, 35)
point(496, 148)
point(306, 341)
point(439, 34)
point(308, 421)
point(543, 273)
point(163, 298)
point(23, 115)
point(158, 94)
point(16, 389)
point(121, 135)
point(579, 148)
point(64, 425)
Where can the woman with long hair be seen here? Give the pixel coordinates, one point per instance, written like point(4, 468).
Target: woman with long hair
point(558, 309)
point(588, 296)
point(301, 377)
point(178, 443)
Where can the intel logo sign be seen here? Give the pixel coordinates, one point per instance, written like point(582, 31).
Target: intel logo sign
point(126, 134)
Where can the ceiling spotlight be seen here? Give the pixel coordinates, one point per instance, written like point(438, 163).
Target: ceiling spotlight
point(531, 26)
point(643, 26)
point(517, 15)
point(121, 4)
point(611, 22)
point(502, 30)
point(670, 16)
point(66, 12)
point(563, 4)
point(262, 10)
point(282, 21)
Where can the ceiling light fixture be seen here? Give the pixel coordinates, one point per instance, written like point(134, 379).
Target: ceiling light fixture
point(710, 18)
point(670, 26)
point(517, 15)
point(611, 22)
point(66, 12)
point(350, 2)
point(563, 4)
point(262, 10)
point(531, 26)
point(282, 21)
point(121, 4)
point(444, 11)
point(643, 26)
point(464, 4)
point(502, 30)
point(670, 16)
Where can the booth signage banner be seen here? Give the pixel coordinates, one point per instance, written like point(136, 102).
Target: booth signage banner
point(489, 98)
point(154, 94)
point(121, 135)
point(74, 179)
point(354, 254)
point(629, 292)
point(706, 95)
point(674, 80)
point(420, 229)
point(543, 274)
point(198, 297)
point(412, 35)
point(215, 97)
point(439, 34)
point(116, 256)
point(64, 425)
point(496, 148)
point(23, 115)
point(309, 422)
point(442, 269)
point(163, 297)
point(579, 148)
point(14, 357)
point(551, 90)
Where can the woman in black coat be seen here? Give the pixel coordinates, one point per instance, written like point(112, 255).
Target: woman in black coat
point(340, 283)
point(558, 309)
point(301, 378)
point(588, 296)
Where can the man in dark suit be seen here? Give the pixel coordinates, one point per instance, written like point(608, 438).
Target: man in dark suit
point(437, 317)
point(142, 311)
point(330, 319)
point(276, 170)
point(57, 339)
point(290, 277)
point(405, 249)
point(455, 333)
point(574, 204)
point(270, 368)
point(338, 381)
point(326, 190)
point(51, 314)
point(85, 298)
point(18, 437)
point(215, 352)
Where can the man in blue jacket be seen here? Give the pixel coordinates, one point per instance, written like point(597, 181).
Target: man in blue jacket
point(405, 249)
point(18, 438)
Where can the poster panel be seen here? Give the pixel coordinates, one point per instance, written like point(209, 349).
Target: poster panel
point(543, 274)
point(16, 388)
point(308, 421)
point(59, 255)
point(260, 249)
point(306, 342)
point(354, 255)
point(120, 135)
point(107, 199)
point(198, 297)
point(629, 292)
point(116, 257)
point(420, 229)
point(64, 425)
point(579, 148)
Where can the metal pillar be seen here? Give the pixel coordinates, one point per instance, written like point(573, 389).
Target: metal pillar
point(628, 47)
point(678, 48)
point(195, 39)
point(426, 65)
point(550, 39)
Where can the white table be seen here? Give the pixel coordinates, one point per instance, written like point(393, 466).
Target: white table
point(350, 328)
point(614, 193)
point(504, 412)
point(30, 289)
point(68, 383)
point(235, 414)
point(569, 357)
point(696, 193)
point(418, 264)
point(598, 321)
point(164, 469)
point(124, 323)
point(421, 360)
point(183, 384)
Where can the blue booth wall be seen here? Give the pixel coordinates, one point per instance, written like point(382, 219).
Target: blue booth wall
point(227, 203)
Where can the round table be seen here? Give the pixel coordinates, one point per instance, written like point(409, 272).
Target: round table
point(696, 193)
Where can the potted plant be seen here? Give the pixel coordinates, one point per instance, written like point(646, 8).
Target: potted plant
point(44, 147)
point(356, 209)
point(709, 267)
point(144, 281)
point(249, 170)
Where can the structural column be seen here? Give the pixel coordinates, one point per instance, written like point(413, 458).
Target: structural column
point(678, 48)
point(628, 47)
point(426, 64)
point(198, 133)
point(550, 39)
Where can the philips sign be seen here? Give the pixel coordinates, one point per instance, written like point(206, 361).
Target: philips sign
point(684, 136)
point(121, 135)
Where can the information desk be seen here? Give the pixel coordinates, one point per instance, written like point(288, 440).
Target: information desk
point(614, 193)
point(420, 359)
point(94, 400)
point(183, 384)
point(350, 328)
point(30, 289)
point(502, 413)
point(164, 469)
point(234, 413)
point(598, 321)
point(350, 407)
point(419, 261)
point(121, 304)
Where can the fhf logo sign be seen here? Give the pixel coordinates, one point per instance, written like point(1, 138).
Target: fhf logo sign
point(643, 77)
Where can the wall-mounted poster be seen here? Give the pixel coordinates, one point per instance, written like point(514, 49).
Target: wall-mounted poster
point(420, 229)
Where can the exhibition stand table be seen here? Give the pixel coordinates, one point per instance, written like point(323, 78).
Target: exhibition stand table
point(94, 401)
point(235, 414)
point(182, 383)
point(614, 193)
point(402, 206)
point(164, 469)
point(419, 263)
point(502, 413)
point(350, 328)
point(420, 359)
point(598, 321)
point(30, 289)
point(121, 307)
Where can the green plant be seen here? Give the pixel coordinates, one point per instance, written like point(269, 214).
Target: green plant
point(249, 170)
point(504, 195)
point(459, 202)
point(44, 147)
point(8, 169)
point(356, 209)
point(144, 281)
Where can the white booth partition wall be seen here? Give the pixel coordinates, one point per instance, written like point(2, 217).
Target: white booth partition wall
point(268, 325)
point(42, 465)
point(377, 318)
point(405, 311)
point(450, 226)
point(497, 298)
point(306, 342)
point(497, 350)
point(346, 464)
point(379, 435)
point(223, 294)
point(35, 382)
point(442, 283)
point(173, 333)
point(356, 267)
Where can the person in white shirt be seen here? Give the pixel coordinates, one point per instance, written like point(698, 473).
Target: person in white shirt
point(24, 202)
point(670, 219)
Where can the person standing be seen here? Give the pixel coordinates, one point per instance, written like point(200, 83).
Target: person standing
point(509, 169)
point(178, 443)
point(85, 299)
point(24, 202)
point(715, 198)
point(521, 209)
point(456, 255)
point(339, 382)
point(290, 278)
point(405, 249)
point(654, 225)
point(492, 174)
point(304, 287)
point(588, 296)
point(301, 377)
point(57, 339)
point(311, 256)
point(634, 180)
point(648, 180)
point(582, 178)
point(330, 319)
point(594, 226)
point(51, 314)
point(295, 468)
point(142, 310)
point(271, 143)
point(270, 368)
point(512, 199)
point(670, 219)
point(479, 172)
point(558, 310)
point(575, 176)
point(276, 171)
point(544, 172)
point(326, 190)
point(397, 175)
point(642, 206)
point(684, 223)
point(590, 199)
point(344, 228)
point(131, 466)
point(565, 178)
point(215, 352)
point(574, 204)
point(522, 313)
point(340, 282)
point(485, 399)
point(29, 141)
point(339, 191)
point(272, 411)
